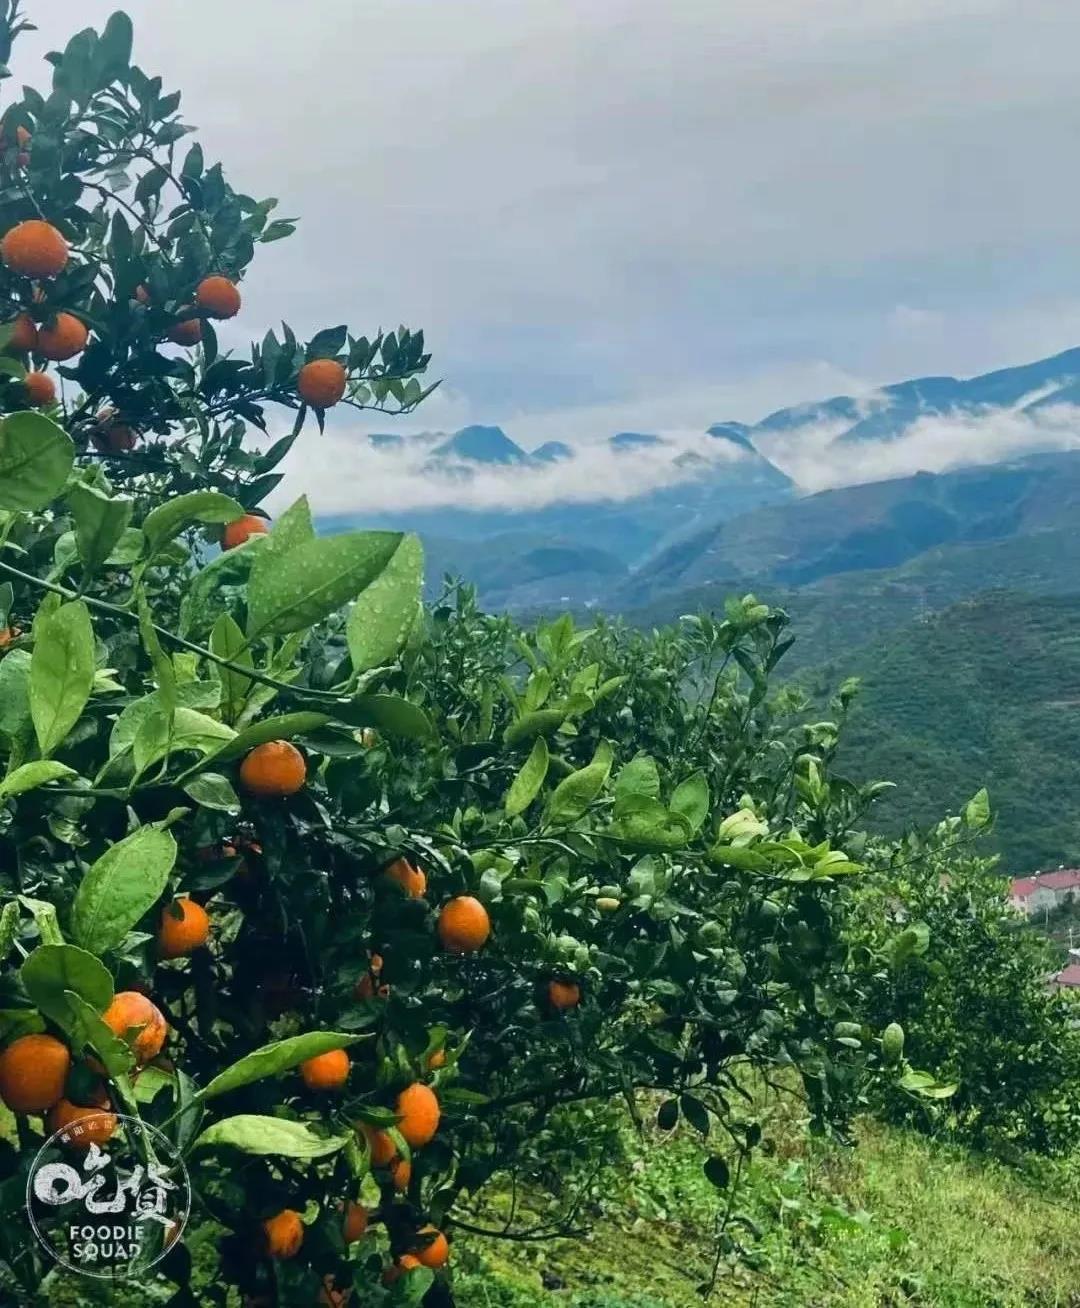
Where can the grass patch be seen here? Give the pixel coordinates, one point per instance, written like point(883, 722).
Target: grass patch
point(898, 1220)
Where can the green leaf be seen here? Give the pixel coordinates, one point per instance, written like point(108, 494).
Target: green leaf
point(209, 591)
point(32, 775)
point(667, 1115)
point(52, 970)
point(36, 458)
point(389, 713)
point(273, 1059)
point(383, 616)
point(639, 777)
point(113, 52)
point(87, 1029)
point(695, 1113)
point(189, 694)
point(100, 521)
point(690, 799)
point(912, 942)
point(573, 795)
point(227, 642)
point(293, 591)
point(269, 1135)
point(212, 790)
point(9, 927)
point(15, 693)
point(286, 727)
point(649, 825)
point(976, 813)
point(526, 785)
point(544, 722)
point(327, 343)
point(61, 673)
point(44, 915)
point(124, 883)
point(717, 1172)
point(169, 519)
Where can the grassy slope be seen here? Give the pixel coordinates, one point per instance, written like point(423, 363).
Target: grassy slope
point(898, 1220)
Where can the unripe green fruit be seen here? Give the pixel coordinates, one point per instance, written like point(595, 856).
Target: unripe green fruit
point(608, 905)
point(852, 1030)
point(892, 1042)
point(711, 934)
point(609, 892)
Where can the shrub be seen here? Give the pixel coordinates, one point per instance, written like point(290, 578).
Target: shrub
point(949, 960)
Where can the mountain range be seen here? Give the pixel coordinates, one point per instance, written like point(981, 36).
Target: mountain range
point(724, 505)
point(953, 594)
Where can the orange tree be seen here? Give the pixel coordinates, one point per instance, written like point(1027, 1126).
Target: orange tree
point(347, 897)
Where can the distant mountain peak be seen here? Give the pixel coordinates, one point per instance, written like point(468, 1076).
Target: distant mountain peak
point(552, 452)
point(736, 432)
point(633, 440)
point(482, 445)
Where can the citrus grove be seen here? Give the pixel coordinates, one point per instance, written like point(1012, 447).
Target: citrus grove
point(350, 897)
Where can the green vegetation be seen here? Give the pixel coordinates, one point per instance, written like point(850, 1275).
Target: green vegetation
point(985, 693)
point(386, 915)
point(896, 1219)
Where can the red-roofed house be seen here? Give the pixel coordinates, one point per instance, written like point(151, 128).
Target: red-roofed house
point(1044, 890)
point(1069, 977)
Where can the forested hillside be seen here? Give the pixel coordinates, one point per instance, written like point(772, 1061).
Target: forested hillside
point(986, 692)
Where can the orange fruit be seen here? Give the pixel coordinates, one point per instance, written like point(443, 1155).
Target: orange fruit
point(321, 383)
point(463, 925)
point(436, 1060)
point(116, 439)
point(40, 389)
point(33, 1070)
point(418, 1108)
point(188, 332)
point(218, 297)
point(273, 768)
point(380, 1144)
point(91, 1125)
point(8, 635)
point(23, 334)
point(401, 1174)
point(327, 1071)
point(185, 927)
point(62, 337)
point(411, 879)
point(395, 1271)
point(284, 1234)
point(34, 249)
point(22, 140)
point(435, 1252)
point(564, 994)
point(356, 1222)
point(130, 1009)
point(236, 533)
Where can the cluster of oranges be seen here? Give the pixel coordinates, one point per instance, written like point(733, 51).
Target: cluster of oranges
point(35, 1070)
point(36, 249)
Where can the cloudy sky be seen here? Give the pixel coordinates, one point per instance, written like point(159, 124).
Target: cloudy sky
point(618, 214)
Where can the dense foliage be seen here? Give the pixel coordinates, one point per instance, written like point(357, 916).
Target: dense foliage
point(967, 981)
point(349, 897)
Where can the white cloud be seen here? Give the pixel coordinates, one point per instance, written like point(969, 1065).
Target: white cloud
point(351, 476)
point(815, 460)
